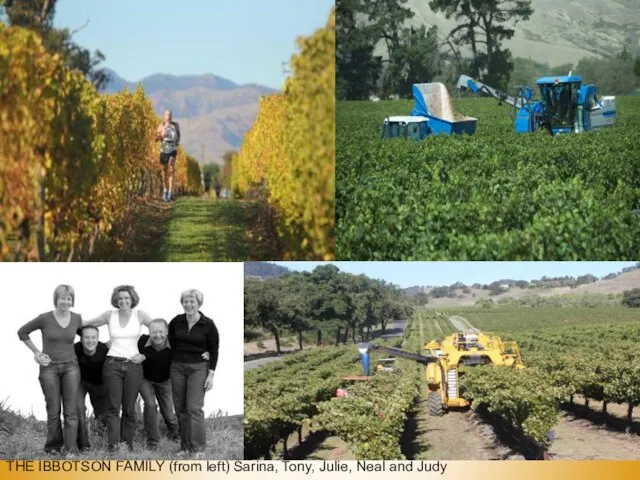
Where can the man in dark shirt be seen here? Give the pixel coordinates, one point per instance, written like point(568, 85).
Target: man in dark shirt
point(156, 384)
point(91, 355)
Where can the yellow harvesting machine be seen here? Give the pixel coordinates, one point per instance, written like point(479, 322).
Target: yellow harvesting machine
point(442, 361)
point(462, 349)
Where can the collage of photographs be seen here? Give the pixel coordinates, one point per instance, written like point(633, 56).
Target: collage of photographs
point(330, 230)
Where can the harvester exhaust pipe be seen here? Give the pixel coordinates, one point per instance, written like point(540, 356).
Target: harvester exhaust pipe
point(363, 348)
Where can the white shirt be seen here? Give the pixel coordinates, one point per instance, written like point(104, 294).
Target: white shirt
point(124, 341)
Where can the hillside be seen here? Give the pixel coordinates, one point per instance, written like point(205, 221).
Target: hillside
point(624, 281)
point(560, 32)
point(211, 110)
point(264, 270)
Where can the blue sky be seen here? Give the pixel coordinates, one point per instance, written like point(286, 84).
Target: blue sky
point(245, 41)
point(407, 274)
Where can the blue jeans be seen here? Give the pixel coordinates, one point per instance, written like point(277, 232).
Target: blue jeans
point(98, 397)
point(122, 380)
point(187, 381)
point(161, 391)
point(59, 381)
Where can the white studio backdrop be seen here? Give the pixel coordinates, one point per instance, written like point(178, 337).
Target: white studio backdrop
point(26, 290)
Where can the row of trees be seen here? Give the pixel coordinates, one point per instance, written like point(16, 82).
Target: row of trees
point(616, 75)
point(325, 300)
point(418, 54)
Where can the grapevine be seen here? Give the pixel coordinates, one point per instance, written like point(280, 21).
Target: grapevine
point(291, 150)
point(76, 162)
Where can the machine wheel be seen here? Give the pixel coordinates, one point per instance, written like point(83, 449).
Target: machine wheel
point(435, 404)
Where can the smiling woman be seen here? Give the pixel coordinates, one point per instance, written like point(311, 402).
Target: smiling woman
point(191, 335)
point(59, 371)
point(122, 371)
point(124, 358)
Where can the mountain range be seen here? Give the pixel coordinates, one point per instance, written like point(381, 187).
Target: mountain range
point(212, 111)
point(559, 32)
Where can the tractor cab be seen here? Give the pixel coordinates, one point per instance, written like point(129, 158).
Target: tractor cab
point(560, 97)
point(414, 127)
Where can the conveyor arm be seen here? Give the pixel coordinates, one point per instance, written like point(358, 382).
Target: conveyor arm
point(466, 82)
point(404, 354)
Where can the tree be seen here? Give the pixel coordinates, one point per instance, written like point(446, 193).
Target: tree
point(357, 69)
point(227, 169)
point(421, 299)
point(613, 75)
point(294, 308)
point(636, 67)
point(482, 27)
point(415, 59)
point(631, 298)
point(37, 16)
point(211, 169)
point(261, 308)
point(330, 303)
point(387, 19)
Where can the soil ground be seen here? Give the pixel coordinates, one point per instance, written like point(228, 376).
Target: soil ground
point(580, 439)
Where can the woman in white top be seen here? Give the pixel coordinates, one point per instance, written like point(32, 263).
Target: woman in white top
point(122, 371)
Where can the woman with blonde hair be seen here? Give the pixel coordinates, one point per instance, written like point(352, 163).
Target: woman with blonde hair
point(59, 370)
point(192, 334)
point(122, 372)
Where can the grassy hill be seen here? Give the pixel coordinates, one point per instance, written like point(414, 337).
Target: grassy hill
point(611, 287)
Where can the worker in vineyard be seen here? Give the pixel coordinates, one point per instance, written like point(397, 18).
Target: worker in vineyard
point(168, 133)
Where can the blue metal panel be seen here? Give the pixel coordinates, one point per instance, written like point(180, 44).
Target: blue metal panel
point(439, 125)
point(420, 105)
point(523, 121)
point(559, 79)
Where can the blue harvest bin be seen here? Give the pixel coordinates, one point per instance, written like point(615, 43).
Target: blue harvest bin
point(439, 125)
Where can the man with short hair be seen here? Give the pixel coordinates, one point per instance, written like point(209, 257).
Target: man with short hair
point(169, 133)
point(91, 355)
point(156, 384)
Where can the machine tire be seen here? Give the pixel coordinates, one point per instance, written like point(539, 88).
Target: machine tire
point(435, 404)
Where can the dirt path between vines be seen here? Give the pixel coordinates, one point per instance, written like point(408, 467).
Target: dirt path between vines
point(462, 323)
point(460, 436)
point(580, 439)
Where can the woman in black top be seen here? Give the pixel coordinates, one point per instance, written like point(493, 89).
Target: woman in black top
point(191, 334)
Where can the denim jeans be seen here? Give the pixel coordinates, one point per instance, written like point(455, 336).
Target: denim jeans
point(187, 381)
point(98, 397)
point(59, 381)
point(161, 391)
point(122, 381)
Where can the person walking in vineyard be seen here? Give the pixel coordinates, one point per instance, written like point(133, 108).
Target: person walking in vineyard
point(168, 133)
